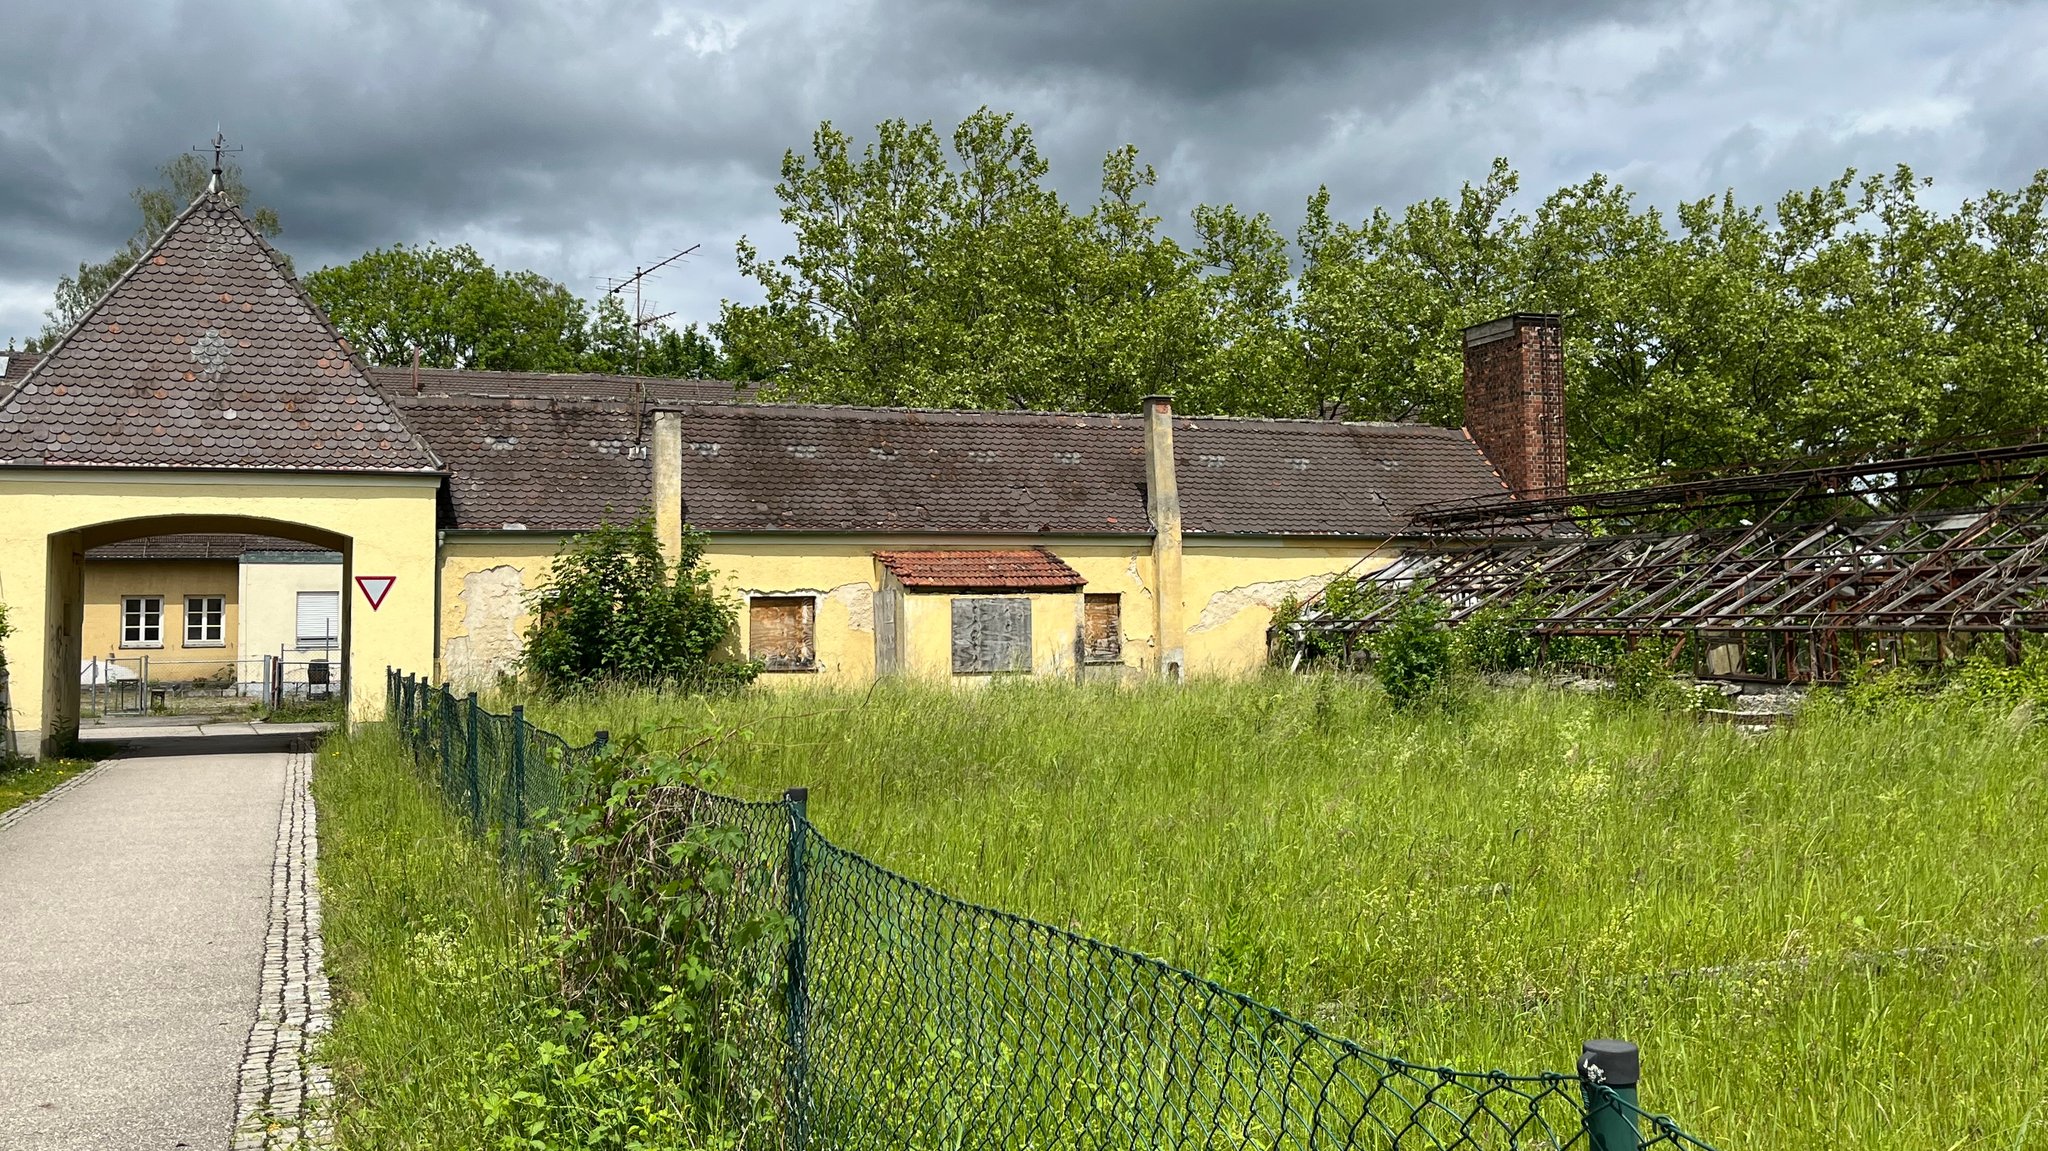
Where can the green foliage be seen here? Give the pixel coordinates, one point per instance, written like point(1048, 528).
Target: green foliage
point(1851, 315)
point(1492, 641)
point(179, 183)
point(955, 276)
point(1341, 598)
point(612, 610)
point(456, 309)
point(1412, 656)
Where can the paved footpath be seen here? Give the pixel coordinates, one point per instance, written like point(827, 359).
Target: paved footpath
point(159, 956)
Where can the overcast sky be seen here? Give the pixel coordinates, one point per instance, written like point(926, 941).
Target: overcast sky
point(582, 137)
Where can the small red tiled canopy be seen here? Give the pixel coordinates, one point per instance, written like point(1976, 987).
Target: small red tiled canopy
point(1021, 569)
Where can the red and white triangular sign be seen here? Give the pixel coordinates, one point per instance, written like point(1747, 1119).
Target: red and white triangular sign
point(375, 588)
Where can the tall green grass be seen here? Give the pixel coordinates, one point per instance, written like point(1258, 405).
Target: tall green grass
point(1823, 936)
point(429, 948)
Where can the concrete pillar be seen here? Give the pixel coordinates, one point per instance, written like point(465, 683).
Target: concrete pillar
point(665, 455)
point(1162, 502)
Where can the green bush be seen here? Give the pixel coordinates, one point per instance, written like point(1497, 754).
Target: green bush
point(1412, 657)
point(612, 611)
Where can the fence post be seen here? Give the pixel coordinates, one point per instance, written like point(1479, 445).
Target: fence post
point(796, 1092)
point(518, 836)
point(1616, 1065)
point(444, 701)
point(476, 788)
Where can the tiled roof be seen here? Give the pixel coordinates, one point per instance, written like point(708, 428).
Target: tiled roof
point(196, 546)
point(1318, 477)
point(567, 465)
point(785, 467)
point(205, 354)
point(543, 465)
point(1023, 569)
point(557, 386)
point(15, 365)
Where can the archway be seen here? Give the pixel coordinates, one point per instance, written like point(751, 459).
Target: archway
point(65, 595)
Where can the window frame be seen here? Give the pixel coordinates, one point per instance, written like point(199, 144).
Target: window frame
point(318, 642)
point(219, 621)
point(808, 605)
point(1112, 651)
point(986, 663)
point(123, 624)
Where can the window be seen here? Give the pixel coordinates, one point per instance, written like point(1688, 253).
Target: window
point(1102, 629)
point(205, 621)
point(142, 621)
point(782, 632)
point(319, 618)
point(991, 636)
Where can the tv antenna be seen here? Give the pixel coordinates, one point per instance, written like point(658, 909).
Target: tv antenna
point(635, 281)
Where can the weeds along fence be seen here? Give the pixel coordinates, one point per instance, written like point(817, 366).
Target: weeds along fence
point(911, 1020)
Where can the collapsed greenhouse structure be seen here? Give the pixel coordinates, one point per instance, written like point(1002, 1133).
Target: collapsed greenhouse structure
point(1793, 574)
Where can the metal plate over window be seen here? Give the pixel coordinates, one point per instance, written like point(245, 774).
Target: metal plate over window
point(991, 636)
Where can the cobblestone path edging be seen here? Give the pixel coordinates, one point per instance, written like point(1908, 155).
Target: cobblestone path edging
point(14, 815)
point(284, 1095)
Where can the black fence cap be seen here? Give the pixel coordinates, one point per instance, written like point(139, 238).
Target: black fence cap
point(1611, 1062)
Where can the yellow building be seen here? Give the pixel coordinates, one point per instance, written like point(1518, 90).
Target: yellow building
point(206, 394)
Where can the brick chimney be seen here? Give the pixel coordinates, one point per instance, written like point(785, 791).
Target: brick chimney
point(1514, 399)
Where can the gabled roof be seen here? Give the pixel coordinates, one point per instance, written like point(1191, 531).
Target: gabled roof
point(205, 354)
point(1019, 569)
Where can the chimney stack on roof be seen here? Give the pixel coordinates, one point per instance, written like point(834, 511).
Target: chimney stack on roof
point(1514, 400)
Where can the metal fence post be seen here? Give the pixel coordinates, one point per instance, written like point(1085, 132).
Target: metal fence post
point(1608, 1071)
point(476, 790)
point(796, 1091)
point(517, 838)
point(444, 702)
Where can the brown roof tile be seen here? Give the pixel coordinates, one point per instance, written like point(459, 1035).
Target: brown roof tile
point(542, 465)
point(558, 386)
point(205, 354)
point(784, 467)
point(198, 546)
point(1022, 569)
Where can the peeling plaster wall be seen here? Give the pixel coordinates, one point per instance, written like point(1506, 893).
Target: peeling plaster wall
point(483, 616)
point(1238, 582)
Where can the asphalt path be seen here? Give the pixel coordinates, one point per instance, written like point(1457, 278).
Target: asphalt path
point(132, 916)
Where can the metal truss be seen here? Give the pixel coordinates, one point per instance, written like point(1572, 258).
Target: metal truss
point(1794, 573)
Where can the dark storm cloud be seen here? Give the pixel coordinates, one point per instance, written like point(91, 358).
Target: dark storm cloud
point(582, 137)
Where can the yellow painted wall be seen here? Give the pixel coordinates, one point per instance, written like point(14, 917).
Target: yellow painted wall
point(1233, 585)
point(270, 608)
point(108, 581)
point(48, 517)
point(928, 636)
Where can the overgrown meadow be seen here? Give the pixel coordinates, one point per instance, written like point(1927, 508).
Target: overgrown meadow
point(1830, 934)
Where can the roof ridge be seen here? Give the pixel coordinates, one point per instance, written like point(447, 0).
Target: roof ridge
point(689, 406)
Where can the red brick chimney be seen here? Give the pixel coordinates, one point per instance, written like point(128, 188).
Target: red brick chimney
point(1514, 399)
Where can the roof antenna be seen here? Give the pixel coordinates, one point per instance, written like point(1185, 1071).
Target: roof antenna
point(220, 148)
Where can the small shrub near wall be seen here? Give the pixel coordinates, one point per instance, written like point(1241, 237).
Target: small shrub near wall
point(613, 611)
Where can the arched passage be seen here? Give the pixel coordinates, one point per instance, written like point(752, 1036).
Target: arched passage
point(64, 593)
point(383, 526)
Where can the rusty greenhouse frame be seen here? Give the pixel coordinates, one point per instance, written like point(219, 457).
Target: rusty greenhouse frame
point(1796, 573)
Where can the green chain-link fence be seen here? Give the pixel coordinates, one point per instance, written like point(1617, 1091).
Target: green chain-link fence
point(914, 1020)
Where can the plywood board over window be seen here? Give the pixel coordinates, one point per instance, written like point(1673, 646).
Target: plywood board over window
point(782, 632)
point(1102, 629)
point(991, 636)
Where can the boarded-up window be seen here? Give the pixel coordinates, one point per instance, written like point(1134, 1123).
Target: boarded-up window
point(1102, 629)
point(782, 631)
point(991, 635)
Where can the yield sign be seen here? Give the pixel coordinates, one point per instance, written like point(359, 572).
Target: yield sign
point(375, 588)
